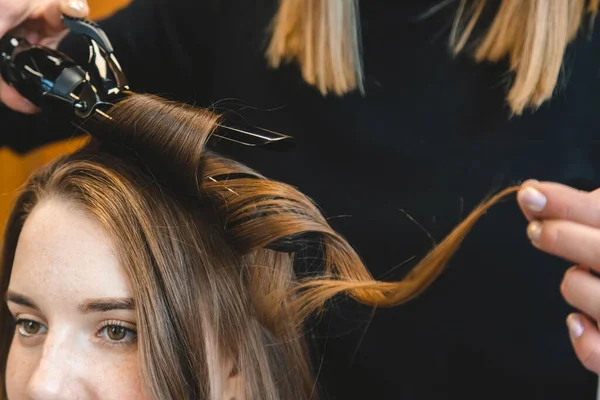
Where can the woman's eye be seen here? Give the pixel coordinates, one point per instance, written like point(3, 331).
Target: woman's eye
point(118, 334)
point(30, 328)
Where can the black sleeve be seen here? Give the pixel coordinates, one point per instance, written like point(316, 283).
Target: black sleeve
point(157, 42)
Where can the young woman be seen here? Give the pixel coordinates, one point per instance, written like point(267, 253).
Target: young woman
point(408, 136)
point(145, 266)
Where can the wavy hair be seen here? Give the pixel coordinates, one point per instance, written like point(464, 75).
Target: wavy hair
point(208, 245)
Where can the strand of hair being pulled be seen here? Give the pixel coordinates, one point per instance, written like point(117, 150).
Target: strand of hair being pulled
point(369, 291)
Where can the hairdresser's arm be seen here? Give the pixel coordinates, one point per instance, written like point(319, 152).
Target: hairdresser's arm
point(566, 222)
point(163, 46)
point(38, 21)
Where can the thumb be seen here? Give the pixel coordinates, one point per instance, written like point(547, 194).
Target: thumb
point(586, 340)
point(75, 8)
point(52, 18)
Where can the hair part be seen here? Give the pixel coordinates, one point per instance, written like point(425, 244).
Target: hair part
point(323, 37)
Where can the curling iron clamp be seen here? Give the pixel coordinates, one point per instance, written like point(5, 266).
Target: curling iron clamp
point(49, 79)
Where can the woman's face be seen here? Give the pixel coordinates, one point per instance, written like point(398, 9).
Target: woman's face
point(75, 335)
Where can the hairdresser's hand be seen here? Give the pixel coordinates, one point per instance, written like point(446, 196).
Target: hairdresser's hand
point(566, 222)
point(38, 21)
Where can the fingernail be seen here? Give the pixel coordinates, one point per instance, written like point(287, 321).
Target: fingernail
point(534, 230)
point(533, 199)
point(78, 6)
point(575, 326)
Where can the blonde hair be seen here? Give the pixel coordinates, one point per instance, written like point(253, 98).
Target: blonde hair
point(209, 247)
point(323, 36)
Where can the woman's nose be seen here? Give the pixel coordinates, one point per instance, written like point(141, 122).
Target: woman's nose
point(60, 372)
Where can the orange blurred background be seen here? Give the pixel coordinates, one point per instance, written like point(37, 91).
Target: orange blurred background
point(14, 169)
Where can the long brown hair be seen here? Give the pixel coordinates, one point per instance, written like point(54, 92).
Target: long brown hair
point(323, 36)
point(208, 245)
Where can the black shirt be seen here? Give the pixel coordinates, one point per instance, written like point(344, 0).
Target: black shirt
point(395, 170)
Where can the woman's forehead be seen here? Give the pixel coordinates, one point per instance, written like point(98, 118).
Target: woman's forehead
point(64, 251)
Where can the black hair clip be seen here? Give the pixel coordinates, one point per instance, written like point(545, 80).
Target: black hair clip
point(50, 79)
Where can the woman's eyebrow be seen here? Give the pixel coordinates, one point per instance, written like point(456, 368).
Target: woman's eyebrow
point(104, 305)
point(20, 299)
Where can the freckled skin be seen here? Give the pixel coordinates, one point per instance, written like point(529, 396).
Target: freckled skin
point(64, 258)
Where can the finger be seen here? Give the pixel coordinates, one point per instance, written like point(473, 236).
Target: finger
point(586, 341)
point(51, 20)
point(50, 27)
point(575, 242)
point(547, 200)
point(53, 15)
point(12, 99)
point(581, 289)
point(46, 21)
point(75, 8)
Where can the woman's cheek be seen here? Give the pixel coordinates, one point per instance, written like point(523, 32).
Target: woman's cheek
point(122, 379)
point(104, 374)
point(20, 366)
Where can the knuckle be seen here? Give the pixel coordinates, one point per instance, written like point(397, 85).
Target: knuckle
point(566, 284)
point(568, 211)
point(594, 212)
point(551, 238)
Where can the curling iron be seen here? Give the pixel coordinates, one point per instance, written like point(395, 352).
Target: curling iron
point(51, 80)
